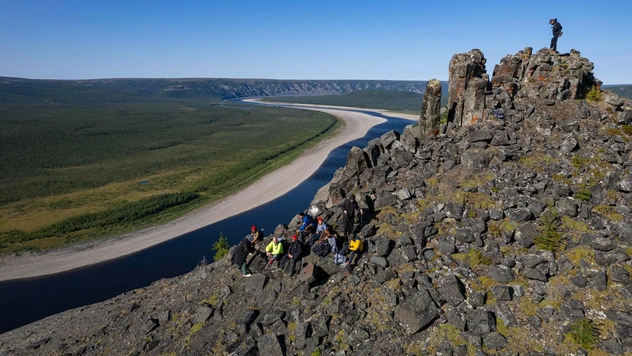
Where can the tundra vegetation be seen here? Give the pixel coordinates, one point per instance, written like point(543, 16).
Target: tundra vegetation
point(76, 165)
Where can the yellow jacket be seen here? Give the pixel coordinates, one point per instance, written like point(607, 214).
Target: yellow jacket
point(275, 249)
point(355, 245)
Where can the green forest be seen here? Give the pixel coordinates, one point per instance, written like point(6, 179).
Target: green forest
point(81, 165)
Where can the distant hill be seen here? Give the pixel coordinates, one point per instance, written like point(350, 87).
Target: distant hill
point(624, 90)
point(370, 99)
point(18, 90)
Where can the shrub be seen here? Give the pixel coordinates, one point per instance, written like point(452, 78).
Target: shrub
point(221, 247)
point(585, 333)
point(594, 94)
point(583, 194)
point(551, 239)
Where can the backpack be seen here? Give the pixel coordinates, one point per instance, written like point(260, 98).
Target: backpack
point(339, 258)
point(345, 249)
point(322, 249)
point(333, 243)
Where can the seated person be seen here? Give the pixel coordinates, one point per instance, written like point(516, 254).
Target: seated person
point(241, 253)
point(313, 237)
point(325, 244)
point(356, 247)
point(274, 250)
point(307, 234)
point(293, 254)
point(322, 226)
point(255, 235)
point(306, 220)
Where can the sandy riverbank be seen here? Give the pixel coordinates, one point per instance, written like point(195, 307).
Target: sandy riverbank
point(262, 191)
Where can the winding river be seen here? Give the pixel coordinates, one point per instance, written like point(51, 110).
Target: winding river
point(27, 300)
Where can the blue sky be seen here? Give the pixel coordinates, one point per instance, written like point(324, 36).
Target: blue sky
point(307, 39)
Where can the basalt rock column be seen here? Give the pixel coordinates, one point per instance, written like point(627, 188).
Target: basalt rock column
point(430, 110)
point(466, 88)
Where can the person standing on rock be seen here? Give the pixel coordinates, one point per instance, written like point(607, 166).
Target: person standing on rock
point(557, 32)
point(349, 207)
point(241, 253)
point(293, 254)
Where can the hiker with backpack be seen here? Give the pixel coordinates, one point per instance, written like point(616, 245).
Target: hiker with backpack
point(295, 250)
point(349, 206)
point(241, 253)
point(557, 32)
point(274, 250)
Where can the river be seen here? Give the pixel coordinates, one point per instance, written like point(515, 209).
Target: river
point(27, 300)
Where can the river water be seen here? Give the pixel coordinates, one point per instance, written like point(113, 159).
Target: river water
point(27, 300)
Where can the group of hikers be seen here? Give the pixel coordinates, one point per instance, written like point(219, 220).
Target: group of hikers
point(311, 236)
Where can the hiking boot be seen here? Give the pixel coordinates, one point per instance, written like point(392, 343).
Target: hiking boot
point(248, 275)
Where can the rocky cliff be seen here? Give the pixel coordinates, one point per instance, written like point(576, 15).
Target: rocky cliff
point(505, 232)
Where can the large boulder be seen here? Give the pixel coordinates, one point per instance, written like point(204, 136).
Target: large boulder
point(417, 312)
point(269, 345)
point(452, 289)
point(481, 321)
point(357, 160)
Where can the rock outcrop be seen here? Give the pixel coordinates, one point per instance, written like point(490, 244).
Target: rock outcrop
point(545, 76)
point(467, 85)
point(429, 121)
point(510, 235)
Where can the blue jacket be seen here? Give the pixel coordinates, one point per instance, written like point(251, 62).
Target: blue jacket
point(307, 220)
